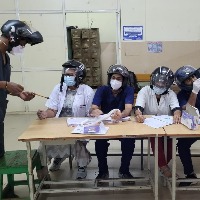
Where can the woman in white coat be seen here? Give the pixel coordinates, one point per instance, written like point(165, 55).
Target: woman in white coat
point(70, 98)
point(159, 99)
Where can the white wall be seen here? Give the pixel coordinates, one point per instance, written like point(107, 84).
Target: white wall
point(39, 69)
point(172, 20)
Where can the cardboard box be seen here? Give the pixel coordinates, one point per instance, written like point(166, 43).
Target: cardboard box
point(94, 53)
point(86, 53)
point(76, 43)
point(95, 62)
point(76, 33)
point(85, 33)
point(77, 54)
point(96, 72)
point(85, 43)
point(94, 42)
point(94, 33)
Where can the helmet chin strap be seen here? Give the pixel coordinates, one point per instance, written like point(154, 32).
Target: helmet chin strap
point(4, 43)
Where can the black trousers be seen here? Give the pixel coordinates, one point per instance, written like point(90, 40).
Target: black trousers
point(2, 150)
point(184, 145)
point(127, 148)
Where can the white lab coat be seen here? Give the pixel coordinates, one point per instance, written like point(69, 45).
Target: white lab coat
point(81, 105)
point(82, 101)
point(146, 98)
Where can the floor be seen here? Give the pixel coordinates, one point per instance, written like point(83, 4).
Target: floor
point(15, 124)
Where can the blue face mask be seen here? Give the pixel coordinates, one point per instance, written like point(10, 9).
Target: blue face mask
point(69, 80)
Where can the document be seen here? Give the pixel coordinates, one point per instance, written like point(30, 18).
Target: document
point(159, 121)
point(74, 121)
point(100, 130)
point(92, 125)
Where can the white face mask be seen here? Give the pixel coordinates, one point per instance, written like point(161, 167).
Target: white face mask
point(158, 90)
point(18, 50)
point(115, 84)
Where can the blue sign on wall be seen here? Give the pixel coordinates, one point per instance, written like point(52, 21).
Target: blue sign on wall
point(132, 32)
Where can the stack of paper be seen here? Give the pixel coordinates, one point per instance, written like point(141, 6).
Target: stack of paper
point(82, 130)
point(87, 125)
point(159, 121)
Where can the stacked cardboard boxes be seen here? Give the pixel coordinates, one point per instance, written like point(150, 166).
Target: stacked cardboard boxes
point(86, 49)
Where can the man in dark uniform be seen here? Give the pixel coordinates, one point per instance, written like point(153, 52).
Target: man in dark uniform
point(15, 35)
point(188, 79)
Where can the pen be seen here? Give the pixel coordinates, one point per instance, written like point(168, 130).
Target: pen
point(40, 95)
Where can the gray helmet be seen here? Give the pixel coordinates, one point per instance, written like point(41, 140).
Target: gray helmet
point(118, 69)
point(163, 77)
point(16, 31)
point(184, 73)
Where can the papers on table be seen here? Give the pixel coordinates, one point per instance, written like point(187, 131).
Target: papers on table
point(91, 130)
point(73, 121)
point(109, 119)
point(87, 125)
point(159, 121)
point(92, 125)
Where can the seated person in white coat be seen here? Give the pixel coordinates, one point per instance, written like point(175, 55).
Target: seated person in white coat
point(70, 98)
point(159, 99)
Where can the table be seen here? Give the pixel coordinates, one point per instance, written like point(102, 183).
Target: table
point(56, 130)
point(178, 131)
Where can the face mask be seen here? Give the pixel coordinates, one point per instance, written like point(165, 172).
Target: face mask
point(18, 50)
point(115, 84)
point(69, 80)
point(158, 90)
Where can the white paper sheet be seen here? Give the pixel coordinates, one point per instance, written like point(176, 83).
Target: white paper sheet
point(124, 119)
point(91, 122)
point(73, 121)
point(159, 121)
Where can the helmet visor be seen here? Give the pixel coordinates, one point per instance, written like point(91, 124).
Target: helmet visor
point(161, 81)
point(66, 70)
point(29, 34)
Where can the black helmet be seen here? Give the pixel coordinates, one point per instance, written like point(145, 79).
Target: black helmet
point(184, 73)
point(79, 69)
point(118, 69)
point(162, 77)
point(16, 30)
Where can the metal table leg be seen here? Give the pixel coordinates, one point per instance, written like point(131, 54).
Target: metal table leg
point(156, 169)
point(173, 168)
point(30, 170)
